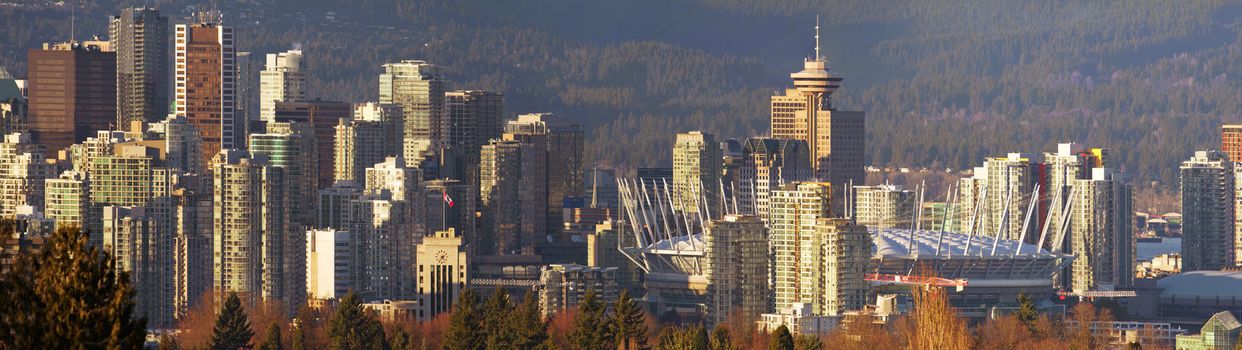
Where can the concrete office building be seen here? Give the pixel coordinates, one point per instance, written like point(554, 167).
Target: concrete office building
point(883, 206)
point(419, 89)
point(442, 273)
point(282, 79)
point(1101, 232)
point(205, 88)
point(696, 174)
point(513, 192)
point(565, 144)
point(13, 105)
point(72, 92)
point(323, 117)
point(474, 117)
point(836, 139)
point(766, 164)
point(140, 38)
point(563, 286)
point(1207, 196)
point(330, 268)
point(1231, 140)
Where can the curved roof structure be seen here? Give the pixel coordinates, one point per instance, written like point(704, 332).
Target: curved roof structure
point(1203, 284)
point(896, 242)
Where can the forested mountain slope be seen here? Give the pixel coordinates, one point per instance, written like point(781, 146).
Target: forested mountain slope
point(944, 82)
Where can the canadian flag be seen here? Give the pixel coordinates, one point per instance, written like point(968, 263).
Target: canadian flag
point(448, 199)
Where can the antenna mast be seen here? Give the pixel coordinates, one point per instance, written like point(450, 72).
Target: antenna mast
point(817, 56)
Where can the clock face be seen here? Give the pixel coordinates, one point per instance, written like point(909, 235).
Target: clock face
point(441, 256)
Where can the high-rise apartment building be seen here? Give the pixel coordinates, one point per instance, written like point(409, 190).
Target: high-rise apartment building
point(442, 273)
point(839, 261)
point(330, 268)
point(285, 145)
point(283, 79)
point(513, 190)
point(835, 139)
point(205, 88)
point(696, 174)
point(140, 38)
point(23, 170)
point(419, 89)
point(1070, 162)
point(142, 246)
point(67, 199)
point(737, 266)
point(1208, 237)
point(323, 117)
point(792, 229)
point(767, 164)
point(564, 286)
point(373, 135)
point(884, 206)
point(13, 105)
point(564, 157)
point(252, 243)
point(1101, 232)
point(72, 92)
point(1004, 185)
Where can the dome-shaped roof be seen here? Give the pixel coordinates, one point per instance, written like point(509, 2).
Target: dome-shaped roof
point(1203, 284)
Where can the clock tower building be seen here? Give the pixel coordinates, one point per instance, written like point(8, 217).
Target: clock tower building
point(442, 273)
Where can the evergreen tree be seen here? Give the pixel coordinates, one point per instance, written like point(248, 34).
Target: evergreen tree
point(352, 327)
point(528, 324)
point(273, 339)
point(463, 332)
point(808, 342)
point(298, 339)
point(781, 339)
point(232, 330)
point(1027, 313)
point(66, 295)
point(696, 338)
point(497, 309)
point(669, 339)
point(590, 327)
point(169, 342)
point(628, 324)
point(398, 338)
point(720, 339)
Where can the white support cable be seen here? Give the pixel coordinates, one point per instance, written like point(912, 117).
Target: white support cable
point(1004, 221)
point(944, 224)
point(669, 230)
point(916, 217)
point(974, 216)
point(1065, 221)
point(1030, 211)
point(1043, 234)
point(733, 191)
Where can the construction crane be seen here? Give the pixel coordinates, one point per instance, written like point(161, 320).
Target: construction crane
point(1092, 294)
point(957, 284)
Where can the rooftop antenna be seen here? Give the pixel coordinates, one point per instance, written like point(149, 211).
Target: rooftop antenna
point(817, 56)
point(72, 16)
